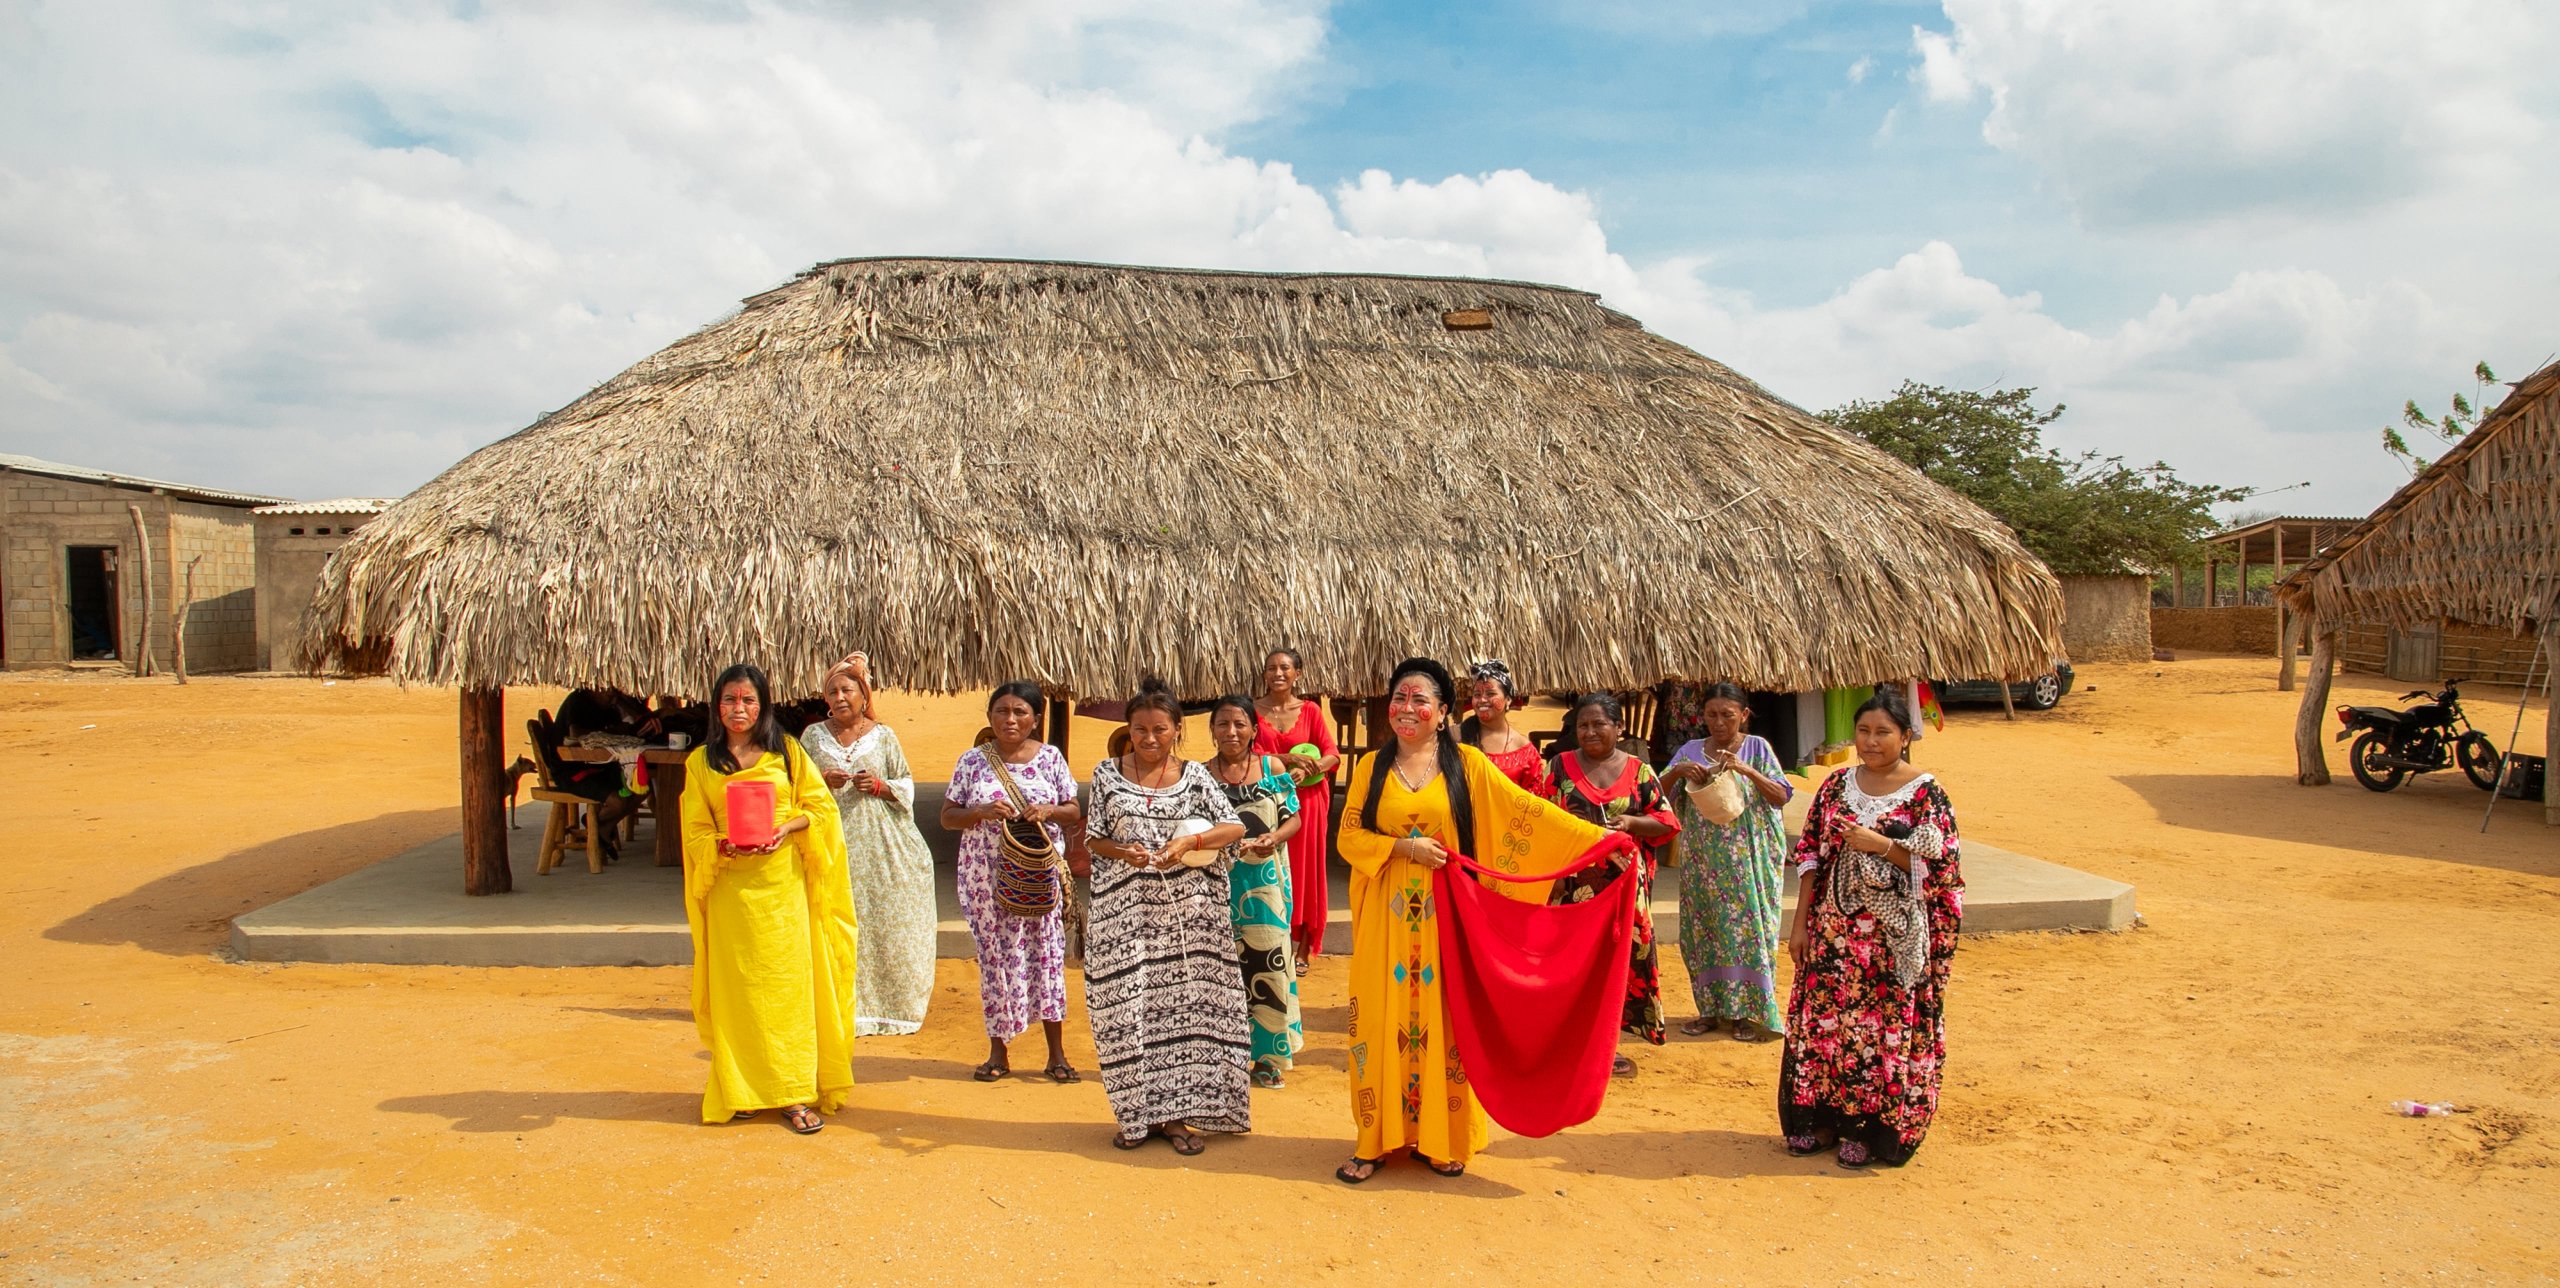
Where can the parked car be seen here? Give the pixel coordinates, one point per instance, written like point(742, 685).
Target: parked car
point(2038, 694)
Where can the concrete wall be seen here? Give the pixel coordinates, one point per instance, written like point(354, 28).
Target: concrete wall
point(41, 517)
point(2106, 619)
point(291, 550)
point(2249, 629)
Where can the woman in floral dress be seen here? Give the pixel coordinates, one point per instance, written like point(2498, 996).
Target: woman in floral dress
point(1022, 961)
point(1731, 873)
point(1599, 782)
point(892, 871)
point(1883, 899)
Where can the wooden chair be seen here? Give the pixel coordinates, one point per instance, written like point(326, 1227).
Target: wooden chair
point(572, 820)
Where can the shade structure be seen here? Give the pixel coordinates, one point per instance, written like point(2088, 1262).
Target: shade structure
point(1080, 474)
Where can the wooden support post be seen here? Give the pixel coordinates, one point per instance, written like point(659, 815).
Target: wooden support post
point(2311, 764)
point(178, 618)
point(142, 560)
point(2550, 725)
point(2286, 626)
point(2178, 586)
point(484, 793)
point(2008, 704)
point(2212, 582)
point(1061, 711)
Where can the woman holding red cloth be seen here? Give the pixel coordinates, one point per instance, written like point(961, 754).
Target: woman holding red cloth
point(1599, 782)
point(1285, 720)
point(1413, 805)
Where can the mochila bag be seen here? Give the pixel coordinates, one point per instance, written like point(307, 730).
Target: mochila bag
point(1720, 799)
point(1026, 877)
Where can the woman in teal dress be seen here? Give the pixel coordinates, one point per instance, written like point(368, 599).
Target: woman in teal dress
point(1266, 799)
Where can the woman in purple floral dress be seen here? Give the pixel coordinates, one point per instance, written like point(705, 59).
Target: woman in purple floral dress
point(1022, 961)
point(1882, 897)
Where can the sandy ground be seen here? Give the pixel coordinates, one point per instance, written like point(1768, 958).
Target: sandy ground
point(2200, 1100)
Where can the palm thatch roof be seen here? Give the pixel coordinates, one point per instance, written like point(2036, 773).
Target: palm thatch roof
point(986, 470)
point(2474, 538)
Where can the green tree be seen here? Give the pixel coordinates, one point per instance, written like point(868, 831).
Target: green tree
point(2449, 428)
point(2089, 513)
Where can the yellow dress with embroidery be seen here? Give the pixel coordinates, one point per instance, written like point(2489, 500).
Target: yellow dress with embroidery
point(1407, 1089)
point(773, 943)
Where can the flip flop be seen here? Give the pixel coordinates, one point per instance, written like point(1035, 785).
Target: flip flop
point(992, 1072)
point(1063, 1073)
point(1130, 1142)
point(1343, 1173)
point(1185, 1141)
point(1450, 1170)
point(803, 1120)
point(1699, 1027)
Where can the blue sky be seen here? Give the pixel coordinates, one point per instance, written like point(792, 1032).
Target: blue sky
point(329, 249)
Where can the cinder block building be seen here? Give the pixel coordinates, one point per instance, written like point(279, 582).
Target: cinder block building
point(294, 540)
point(74, 565)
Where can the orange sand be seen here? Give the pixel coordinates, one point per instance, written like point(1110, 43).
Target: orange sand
point(2200, 1100)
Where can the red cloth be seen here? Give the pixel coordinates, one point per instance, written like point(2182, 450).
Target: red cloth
point(1533, 990)
point(1309, 848)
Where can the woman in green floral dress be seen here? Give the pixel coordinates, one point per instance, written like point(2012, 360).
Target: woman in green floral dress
point(1730, 873)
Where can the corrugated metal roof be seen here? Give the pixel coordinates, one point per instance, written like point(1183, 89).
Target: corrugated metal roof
point(343, 505)
point(183, 491)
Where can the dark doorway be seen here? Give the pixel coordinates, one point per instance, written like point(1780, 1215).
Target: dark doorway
point(89, 584)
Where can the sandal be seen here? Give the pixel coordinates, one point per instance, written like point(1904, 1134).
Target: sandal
point(744, 1114)
point(1854, 1153)
point(1439, 1168)
point(802, 1119)
point(1185, 1141)
point(1121, 1141)
point(992, 1072)
point(1063, 1073)
point(1700, 1027)
point(1367, 1167)
point(1267, 1078)
point(1622, 1067)
point(1803, 1145)
point(1746, 1031)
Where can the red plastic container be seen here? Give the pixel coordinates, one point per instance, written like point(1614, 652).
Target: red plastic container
point(751, 823)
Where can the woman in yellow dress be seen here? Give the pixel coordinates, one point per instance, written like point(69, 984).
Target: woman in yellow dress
point(773, 930)
point(1411, 805)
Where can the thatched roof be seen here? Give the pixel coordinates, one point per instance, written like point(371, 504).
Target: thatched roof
point(2474, 538)
point(1075, 473)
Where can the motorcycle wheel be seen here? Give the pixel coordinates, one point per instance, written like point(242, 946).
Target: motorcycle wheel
point(2479, 760)
point(2370, 757)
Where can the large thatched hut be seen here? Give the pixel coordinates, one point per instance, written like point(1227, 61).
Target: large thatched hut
point(987, 470)
point(2473, 540)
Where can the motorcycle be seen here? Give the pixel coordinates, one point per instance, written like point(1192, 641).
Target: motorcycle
point(2391, 745)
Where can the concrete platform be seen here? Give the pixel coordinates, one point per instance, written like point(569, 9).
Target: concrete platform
point(410, 910)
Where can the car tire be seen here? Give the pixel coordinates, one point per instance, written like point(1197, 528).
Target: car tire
point(2043, 693)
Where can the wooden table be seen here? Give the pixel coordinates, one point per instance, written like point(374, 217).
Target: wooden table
point(666, 791)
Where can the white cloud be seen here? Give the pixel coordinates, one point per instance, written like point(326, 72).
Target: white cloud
point(2164, 110)
point(1859, 69)
point(330, 251)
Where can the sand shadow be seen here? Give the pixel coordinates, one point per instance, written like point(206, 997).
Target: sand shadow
point(188, 913)
point(2434, 816)
point(1663, 1155)
point(1293, 1160)
point(666, 1013)
point(520, 1111)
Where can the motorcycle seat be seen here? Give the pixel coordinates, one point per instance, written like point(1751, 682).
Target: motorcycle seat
point(2378, 715)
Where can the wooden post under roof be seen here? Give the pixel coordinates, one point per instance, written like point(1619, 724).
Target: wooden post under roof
point(2311, 765)
point(2212, 581)
point(1061, 714)
point(2550, 725)
point(2284, 637)
point(2178, 585)
point(484, 793)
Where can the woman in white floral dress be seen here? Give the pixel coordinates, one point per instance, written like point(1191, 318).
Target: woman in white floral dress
point(891, 870)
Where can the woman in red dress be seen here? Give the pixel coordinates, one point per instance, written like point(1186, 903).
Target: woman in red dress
point(1490, 731)
point(1286, 720)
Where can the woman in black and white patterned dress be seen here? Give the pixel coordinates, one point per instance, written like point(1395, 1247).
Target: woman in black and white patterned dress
point(1160, 973)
